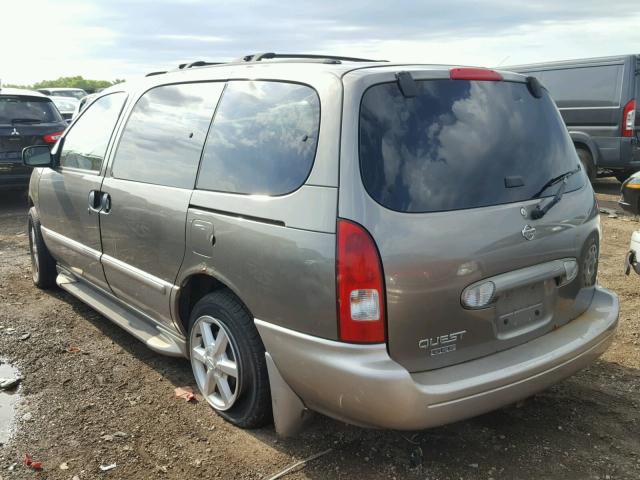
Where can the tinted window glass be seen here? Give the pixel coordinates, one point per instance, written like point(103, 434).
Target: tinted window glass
point(77, 94)
point(452, 146)
point(27, 110)
point(86, 143)
point(263, 139)
point(583, 87)
point(164, 136)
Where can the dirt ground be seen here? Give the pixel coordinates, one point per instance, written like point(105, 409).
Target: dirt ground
point(72, 404)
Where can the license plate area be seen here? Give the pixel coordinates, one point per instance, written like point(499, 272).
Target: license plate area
point(522, 310)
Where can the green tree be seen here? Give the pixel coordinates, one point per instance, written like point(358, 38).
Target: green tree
point(72, 82)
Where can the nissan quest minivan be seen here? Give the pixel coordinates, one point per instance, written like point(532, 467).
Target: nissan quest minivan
point(394, 246)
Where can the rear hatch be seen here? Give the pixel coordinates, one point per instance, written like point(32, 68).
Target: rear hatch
point(453, 170)
point(24, 121)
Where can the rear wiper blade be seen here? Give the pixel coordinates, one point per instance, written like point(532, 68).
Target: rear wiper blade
point(539, 211)
point(25, 120)
point(555, 180)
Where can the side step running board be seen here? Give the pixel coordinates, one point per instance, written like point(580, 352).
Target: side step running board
point(156, 337)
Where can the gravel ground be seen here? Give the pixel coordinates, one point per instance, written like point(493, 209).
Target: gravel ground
point(113, 402)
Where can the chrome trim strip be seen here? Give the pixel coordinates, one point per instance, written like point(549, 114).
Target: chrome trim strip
point(71, 244)
point(592, 127)
point(135, 273)
point(590, 108)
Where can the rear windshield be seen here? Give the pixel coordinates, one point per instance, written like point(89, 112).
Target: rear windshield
point(458, 144)
point(27, 110)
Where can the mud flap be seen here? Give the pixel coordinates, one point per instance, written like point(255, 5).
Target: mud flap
point(630, 262)
point(289, 413)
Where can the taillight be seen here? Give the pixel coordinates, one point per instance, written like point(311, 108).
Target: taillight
point(629, 119)
point(52, 137)
point(483, 74)
point(360, 285)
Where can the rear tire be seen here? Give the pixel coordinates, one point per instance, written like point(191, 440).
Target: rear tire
point(223, 342)
point(587, 163)
point(43, 266)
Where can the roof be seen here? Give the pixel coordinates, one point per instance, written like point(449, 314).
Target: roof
point(291, 67)
point(577, 61)
point(21, 91)
point(61, 89)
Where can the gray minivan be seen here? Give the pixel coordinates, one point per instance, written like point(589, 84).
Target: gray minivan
point(396, 246)
point(597, 100)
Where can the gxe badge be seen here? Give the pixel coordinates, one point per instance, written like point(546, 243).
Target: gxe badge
point(529, 232)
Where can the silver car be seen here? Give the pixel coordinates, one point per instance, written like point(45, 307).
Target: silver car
point(395, 246)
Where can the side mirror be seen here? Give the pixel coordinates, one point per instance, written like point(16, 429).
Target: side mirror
point(37, 156)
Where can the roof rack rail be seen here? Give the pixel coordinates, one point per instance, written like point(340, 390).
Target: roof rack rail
point(199, 63)
point(257, 57)
point(151, 74)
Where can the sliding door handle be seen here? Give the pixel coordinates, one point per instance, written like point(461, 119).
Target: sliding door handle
point(105, 203)
point(94, 205)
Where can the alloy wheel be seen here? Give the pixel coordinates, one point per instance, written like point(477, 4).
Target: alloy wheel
point(215, 362)
point(35, 263)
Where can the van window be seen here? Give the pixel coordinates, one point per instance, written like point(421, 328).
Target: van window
point(584, 86)
point(262, 140)
point(165, 133)
point(85, 145)
point(454, 144)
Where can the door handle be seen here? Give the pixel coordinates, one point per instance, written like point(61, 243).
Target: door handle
point(105, 203)
point(94, 206)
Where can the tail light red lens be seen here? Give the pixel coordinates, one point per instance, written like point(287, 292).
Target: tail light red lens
point(361, 311)
point(629, 119)
point(482, 74)
point(51, 138)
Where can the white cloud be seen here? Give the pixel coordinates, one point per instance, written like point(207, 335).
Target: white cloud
point(42, 39)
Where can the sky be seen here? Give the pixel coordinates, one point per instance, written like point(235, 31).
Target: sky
point(108, 39)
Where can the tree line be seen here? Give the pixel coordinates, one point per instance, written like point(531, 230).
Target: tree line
point(78, 81)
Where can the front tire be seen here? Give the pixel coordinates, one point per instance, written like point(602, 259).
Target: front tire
point(43, 266)
point(228, 360)
point(622, 176)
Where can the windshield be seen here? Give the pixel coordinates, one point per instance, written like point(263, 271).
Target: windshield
point(461, 144)
point(77, 94)
point(65, 104)
point(32, 109)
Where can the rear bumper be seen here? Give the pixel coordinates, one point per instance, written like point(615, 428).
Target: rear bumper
point(14, 179)
point(360, 384)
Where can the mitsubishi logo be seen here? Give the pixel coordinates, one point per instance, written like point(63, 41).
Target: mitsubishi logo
point(15, 132)
point(529, 232)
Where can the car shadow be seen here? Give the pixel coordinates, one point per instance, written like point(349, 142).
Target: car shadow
point(563, 432)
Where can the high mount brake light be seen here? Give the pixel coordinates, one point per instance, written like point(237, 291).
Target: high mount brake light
point(52, 137)
point(629, 119)
point(482, 74)
point(361, 313)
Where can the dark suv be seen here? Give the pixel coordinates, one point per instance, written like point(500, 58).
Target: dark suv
point(26, 118)
point(597, 100)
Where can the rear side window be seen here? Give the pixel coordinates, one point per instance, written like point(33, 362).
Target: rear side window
point(27, 110)
point(584, 86)
point(85, 145)
point(262, 140)
point(454, 145)
point(164, 136)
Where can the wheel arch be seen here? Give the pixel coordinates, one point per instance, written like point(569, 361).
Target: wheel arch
point(193, 288)
point(584, 141)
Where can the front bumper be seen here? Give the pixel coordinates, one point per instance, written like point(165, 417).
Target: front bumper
point(360, 384)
